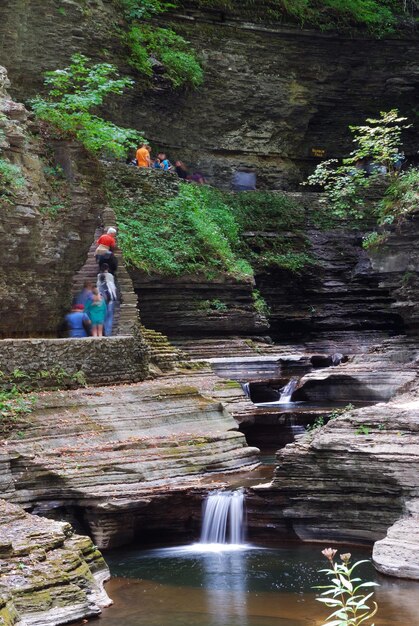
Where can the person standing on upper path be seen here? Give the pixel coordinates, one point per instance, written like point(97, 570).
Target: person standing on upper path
point(77, 322)
point(181, 170)
point(105, 250)
point(96, 310)
point(164, 162)
point(107, 289)
point(143, 156)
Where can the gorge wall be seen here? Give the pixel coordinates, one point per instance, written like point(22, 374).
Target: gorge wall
point(46, 225)
point(272, 92)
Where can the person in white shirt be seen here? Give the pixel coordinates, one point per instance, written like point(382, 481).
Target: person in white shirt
point(107, 289)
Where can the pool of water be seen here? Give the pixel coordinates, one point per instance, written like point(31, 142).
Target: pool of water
point(245, 586)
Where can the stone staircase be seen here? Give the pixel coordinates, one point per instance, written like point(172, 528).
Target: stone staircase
point(162, 353)
point(126, 314)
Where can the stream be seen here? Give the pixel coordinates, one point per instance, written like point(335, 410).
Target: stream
point(224, 581)
point(248, 586)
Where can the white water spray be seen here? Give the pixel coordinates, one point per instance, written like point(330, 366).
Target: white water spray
point(288, 391)
point(223, 518)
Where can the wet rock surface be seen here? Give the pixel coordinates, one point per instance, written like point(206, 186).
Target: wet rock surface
point(356, 478)
point(106, 451)
point(49, 575)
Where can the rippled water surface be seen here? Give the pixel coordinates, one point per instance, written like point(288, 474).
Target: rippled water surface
point(236, 587)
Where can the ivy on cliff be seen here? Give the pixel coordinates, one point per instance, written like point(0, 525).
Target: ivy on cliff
point(76, 91)
point(210, 232)
point(150, 46)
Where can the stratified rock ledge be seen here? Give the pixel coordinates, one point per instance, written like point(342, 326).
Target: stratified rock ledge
point(48, 574)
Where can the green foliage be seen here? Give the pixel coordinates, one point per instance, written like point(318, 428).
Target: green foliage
point(144, 9)
point(378, 142)
point(148, 42)
point(379, 17)
point(73, 93)
point(263, 214)
point(363, 430)
point(321, 420)
point(212, 305)
point(401, 197)
point(374, 240)
point(22, 381)
point(192, 232)
point(346, 593)
point(11, 179)
point(260, 303)
point(207, 231)
point(14, 409)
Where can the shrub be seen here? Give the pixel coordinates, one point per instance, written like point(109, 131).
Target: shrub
point(11, 179)
point(378, 143)
point(148, 42)
point(77, 90)
point(192, 232)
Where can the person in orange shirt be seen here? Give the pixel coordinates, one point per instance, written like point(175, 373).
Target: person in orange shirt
point(143, 156)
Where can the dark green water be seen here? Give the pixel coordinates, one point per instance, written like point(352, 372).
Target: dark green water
point(253, 587)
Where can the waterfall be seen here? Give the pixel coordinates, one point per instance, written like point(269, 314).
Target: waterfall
point(287, 391)
point(223, 518)
point(246, 389)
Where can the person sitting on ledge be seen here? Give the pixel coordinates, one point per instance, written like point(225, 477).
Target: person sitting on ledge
point(77, 323)
point(105, 250)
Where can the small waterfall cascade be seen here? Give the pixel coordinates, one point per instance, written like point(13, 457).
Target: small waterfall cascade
point(287, 391)
point(223, 518)
point(246, 389)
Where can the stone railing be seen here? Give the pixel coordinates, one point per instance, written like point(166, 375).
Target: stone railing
point(102, 360)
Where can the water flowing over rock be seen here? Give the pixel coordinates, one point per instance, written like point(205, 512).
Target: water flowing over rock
point(113, 453)
point(49, 575)
point(356, 478)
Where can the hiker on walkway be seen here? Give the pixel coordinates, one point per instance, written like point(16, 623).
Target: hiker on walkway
point(85, 294)
point(105, 250)
point(96, 310)
point(143, 156)
point(181, 170)
point(164, 161)
point(244, 179)
point(107, 289)
point(77, 322)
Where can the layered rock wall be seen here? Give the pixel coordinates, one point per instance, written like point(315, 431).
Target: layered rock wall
point(101, 454)
point(49, 575)
point(46, 225)
point(272, 94)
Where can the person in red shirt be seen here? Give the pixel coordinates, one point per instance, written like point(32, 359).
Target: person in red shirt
point(105, 250)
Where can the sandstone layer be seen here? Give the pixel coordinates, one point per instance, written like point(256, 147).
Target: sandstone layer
point(49, 575)
point(101, 455)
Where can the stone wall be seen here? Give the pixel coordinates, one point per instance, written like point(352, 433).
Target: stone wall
point(103, 361)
